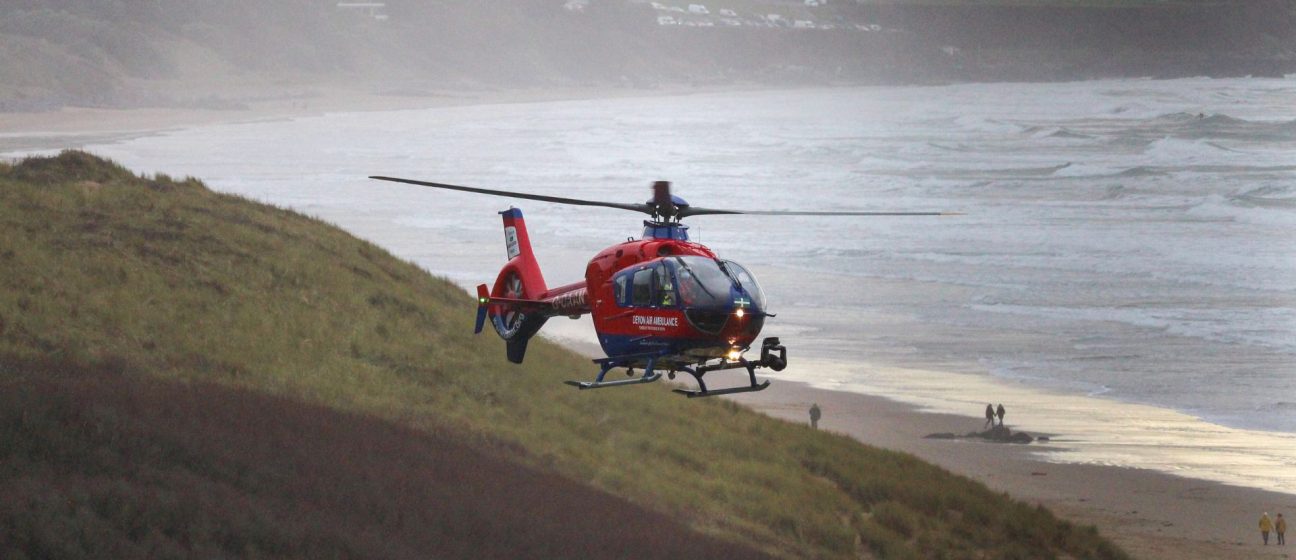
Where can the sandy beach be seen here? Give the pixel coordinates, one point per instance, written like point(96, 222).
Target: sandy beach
point(1150, 514)
point(78, 126)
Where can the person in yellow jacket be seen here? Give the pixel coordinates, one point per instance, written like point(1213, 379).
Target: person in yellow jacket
point(1265, 526)
point(1280, 527)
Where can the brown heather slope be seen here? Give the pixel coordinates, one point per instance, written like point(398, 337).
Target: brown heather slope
point(94, 464)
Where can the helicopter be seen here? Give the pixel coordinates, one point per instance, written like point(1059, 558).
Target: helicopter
point(661, 304)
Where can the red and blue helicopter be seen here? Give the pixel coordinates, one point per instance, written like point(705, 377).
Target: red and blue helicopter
point(661, 304)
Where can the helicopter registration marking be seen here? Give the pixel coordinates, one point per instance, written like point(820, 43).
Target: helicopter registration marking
point(511, 242)
point(653, 322)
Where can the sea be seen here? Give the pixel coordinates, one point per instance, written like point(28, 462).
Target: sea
point(1122, 275)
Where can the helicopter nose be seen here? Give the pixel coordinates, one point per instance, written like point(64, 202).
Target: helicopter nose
point(747, 321)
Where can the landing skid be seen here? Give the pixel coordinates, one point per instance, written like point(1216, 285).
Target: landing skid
point(649, 378)
point(728, 391)
point(701, 370)
point(773, 356)
point(606, 364)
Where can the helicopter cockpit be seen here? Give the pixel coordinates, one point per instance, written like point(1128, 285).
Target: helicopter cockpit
point(708, 290)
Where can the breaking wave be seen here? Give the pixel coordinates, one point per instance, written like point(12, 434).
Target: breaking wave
point(1219, 125)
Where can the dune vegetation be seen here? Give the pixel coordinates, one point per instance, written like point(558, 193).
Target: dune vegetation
point(149, 327)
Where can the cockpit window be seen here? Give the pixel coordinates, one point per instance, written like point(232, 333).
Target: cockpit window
point(641, 292)
point(747, 281)
point(665, 288)
point(619, 287)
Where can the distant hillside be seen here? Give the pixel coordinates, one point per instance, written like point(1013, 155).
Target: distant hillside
point(220, 54)
point(184, 373)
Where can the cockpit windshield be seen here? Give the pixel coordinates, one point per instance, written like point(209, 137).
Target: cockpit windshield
point(746, 281)
point(708, 283)
point(700, 281)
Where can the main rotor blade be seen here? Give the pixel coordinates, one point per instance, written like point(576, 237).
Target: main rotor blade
point(690, 211)
point(645, 208)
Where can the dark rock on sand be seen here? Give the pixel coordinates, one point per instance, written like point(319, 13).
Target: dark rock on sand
point(997, 434)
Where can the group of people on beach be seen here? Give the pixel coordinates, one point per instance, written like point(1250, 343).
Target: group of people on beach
point(1278, 526)
point(991, 412)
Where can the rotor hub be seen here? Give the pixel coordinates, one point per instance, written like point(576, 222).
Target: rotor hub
point(664, 205)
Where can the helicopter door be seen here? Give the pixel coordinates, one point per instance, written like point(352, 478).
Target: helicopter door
point(651, 318)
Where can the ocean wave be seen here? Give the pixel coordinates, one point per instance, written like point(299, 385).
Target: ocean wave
point(1174, 149)
point(984, 124)
point(1202, 119)
point(954, 148)
point(1219, 125)
point(1064, 133)
point(1272, 197)
point(1114, 192)
point(1143, 171)
point(1083, 170)
point(1244, 208)
point(1054, 132)
point(1130, 109)
point(1028, 171)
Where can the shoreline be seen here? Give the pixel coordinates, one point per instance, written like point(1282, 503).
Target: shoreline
point(1150, 514)
point(52, 130)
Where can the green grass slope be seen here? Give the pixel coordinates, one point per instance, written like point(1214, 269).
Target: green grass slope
point(109, 275)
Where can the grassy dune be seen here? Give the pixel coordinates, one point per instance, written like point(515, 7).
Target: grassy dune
point(105, 275)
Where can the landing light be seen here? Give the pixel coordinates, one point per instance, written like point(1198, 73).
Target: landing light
point(740, 312)
point(734, 355)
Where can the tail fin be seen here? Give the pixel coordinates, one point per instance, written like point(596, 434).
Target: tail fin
point(516, 321)
point(518, 244)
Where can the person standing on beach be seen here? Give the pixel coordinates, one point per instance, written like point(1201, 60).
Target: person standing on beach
point(1280, 527)
point(989, 416)
point(814, 416)
point(1265, 526)
point(1000, 412)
